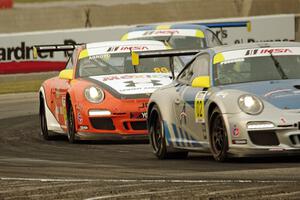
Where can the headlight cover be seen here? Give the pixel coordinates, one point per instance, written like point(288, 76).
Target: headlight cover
point(250, 104)
point(94, 94)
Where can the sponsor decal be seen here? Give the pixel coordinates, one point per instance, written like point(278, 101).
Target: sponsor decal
point(161, 32)
point(21, 52)
point(277, 91)
point(161, 70)
point(134, 76)
point(136, 83)
point(127, 48)
point(268, 51)
point(199, 106)
point(79, 118)
point(235, 131)
point(144, 105)
point(183, 115)
point(239, 141)
point(282, 120)
point(138, 115)
point(25, 52)
point(104, 57)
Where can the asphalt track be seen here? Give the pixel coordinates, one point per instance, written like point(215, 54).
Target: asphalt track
point(31, 168)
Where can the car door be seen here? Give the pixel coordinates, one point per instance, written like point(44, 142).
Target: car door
point(190, 131)
point(59, 94)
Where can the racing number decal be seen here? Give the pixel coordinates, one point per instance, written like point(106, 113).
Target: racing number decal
point(160, 70)
point(199, 106)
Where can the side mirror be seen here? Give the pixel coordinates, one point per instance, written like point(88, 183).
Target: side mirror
point(135, 60)
point(201, 81)
point(66, 74)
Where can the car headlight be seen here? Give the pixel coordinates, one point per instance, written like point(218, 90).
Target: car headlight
point(94, 94)
point(250, 104)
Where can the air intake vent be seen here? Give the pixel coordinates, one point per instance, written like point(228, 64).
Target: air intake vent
point(264, 138)
point(295, 139)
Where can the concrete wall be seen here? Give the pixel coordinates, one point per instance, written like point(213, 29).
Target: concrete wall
point(28, 18)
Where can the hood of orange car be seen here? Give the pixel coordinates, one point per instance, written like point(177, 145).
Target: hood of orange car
point(132, 84)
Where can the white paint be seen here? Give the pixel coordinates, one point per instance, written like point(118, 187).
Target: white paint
point(147, 180)
point(124, 46)
point(260, 52)
point(160, 33)
point(137, 83)
point(52, 123)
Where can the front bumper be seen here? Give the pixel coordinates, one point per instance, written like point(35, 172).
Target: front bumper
point(281, 139)
point(255, 152)
point(115, 125)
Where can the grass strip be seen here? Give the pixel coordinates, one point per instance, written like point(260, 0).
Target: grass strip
point(20, 86)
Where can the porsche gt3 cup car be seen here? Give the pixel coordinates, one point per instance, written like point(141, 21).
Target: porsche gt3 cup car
point(238, 100)
point(178, 36)
point(101, 93)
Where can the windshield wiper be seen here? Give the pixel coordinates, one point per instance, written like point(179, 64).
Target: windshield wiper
point(278, 67)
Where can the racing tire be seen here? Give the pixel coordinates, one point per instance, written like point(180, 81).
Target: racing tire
point(218, 136)
point(43, 121)
point(157, 138)
point(71, 132)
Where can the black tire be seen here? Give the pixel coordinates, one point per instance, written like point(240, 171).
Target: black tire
point(218, 136)
point(71, 125)
point(157, 138)
point(43, 120)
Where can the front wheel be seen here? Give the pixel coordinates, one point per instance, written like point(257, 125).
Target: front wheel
point(157, 138)
point(43, 120)
point(71, 125)
point(218, 136)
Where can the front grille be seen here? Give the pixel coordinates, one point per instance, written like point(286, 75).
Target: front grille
point(295, 139)
point(264, 138)
point(102, 123)
point(139, 125)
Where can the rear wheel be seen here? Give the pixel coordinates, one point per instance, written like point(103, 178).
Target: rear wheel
point(43, 120)
point(157, 138)
point(218, 136)
point(71, 124)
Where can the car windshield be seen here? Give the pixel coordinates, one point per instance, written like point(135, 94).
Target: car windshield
point(120, 63)
point(253, 69)
point(180, 42)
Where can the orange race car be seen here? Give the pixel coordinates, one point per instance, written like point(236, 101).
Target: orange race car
point(103, 91)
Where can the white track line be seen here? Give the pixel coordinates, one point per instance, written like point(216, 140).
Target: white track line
point(130, 194)
point(148, 180)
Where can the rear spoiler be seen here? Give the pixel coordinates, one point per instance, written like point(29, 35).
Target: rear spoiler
point(54, 47)
point(228, 24)
point(162, 53)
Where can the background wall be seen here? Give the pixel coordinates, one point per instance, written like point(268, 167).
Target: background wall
point(72, 14)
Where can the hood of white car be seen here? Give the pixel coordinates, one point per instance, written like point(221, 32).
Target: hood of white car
point(133, 84)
